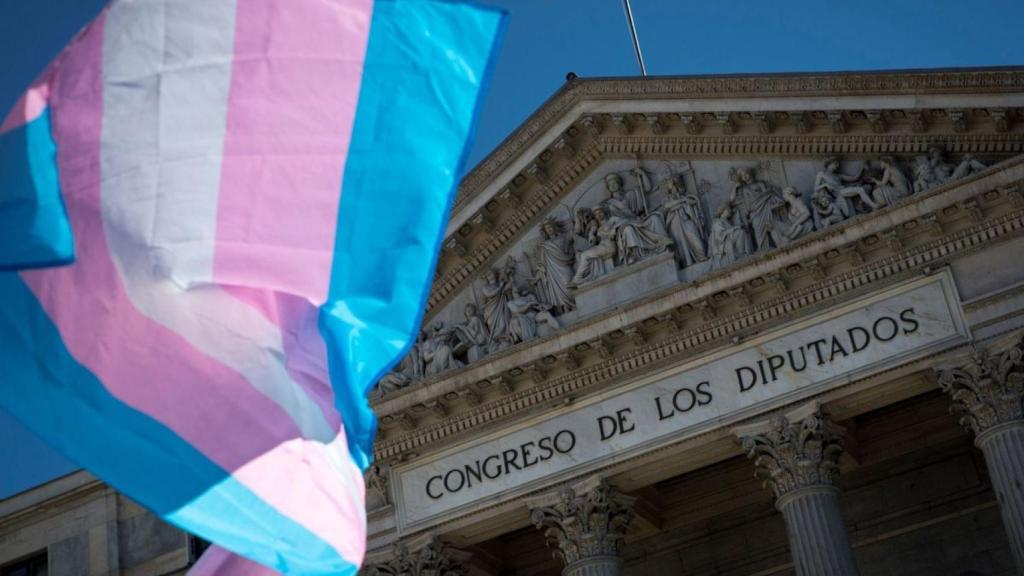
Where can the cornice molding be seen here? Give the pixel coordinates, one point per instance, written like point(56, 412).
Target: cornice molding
point(75, 489)
point(810, 255)
point(530, 207)
point(893, 82)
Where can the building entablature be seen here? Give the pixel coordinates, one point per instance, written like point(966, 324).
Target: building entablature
point(625, 257)
point(703, 304)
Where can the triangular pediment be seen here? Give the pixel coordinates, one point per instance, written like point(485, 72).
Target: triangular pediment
point(617, 189)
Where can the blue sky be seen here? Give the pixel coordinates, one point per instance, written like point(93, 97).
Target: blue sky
point(548, 38)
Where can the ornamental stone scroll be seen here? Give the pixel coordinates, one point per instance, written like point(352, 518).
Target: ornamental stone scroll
point(585, 527)
point(435, 558)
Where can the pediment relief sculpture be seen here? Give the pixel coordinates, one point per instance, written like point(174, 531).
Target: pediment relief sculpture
point(708, 214)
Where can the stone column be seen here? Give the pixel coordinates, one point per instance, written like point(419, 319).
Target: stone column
point(586, 529)
point(989, 392)
point(797, 456)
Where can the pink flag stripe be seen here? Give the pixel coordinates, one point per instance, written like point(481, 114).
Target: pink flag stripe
point(217, 561)
point(305, 353)
point(162, 134)
point(317, 485)
point(89, 298)
point(29, 107)
point(246, 433)
point(283, 161)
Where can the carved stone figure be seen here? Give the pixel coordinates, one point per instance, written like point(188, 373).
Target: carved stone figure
point(553, 270)
point(592, 263)
point(892, 186)
point(496, 292)
point(925, 177)
point(628, 202)
point(584, 229)
point(684, 220)
point(409, 369)
point(729, 241)
point(838, 186)
point(527, 314)
point(826, 210)
point(946, 172)
point(473, 334)
point(392, 382)
point(798, 220)
point(756, 203)
point(636, 240)
point(438, 350)
point(377, 481)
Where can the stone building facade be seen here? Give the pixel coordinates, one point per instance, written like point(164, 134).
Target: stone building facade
point(744, 325)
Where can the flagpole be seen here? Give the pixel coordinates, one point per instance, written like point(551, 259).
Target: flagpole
point(632, 33)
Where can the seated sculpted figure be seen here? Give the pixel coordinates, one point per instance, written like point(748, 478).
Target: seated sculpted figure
point(641, 239)
point(438, 350)
point(932, 170)
point(892, 186)
point(636, 241)
point(925, 177)
point(631, 201)
point(530, 318)
point(826, 212)
point(729, 242)
point(621, 239)
point(409, 369)
point(591, 263)
point(473, 334)
point(797, 220)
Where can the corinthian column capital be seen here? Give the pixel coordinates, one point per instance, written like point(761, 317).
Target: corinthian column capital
point(988, 390)
point(435, 558)
point(586, 524)
point(795, 454)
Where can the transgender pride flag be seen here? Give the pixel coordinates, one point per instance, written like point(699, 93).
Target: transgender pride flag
point(220, 219)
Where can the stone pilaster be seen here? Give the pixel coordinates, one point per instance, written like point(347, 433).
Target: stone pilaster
point(433, 559)
point(797, 457)
point(586, 529)
point(989, 393)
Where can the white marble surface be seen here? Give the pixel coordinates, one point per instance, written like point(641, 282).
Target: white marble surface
point(717, 390)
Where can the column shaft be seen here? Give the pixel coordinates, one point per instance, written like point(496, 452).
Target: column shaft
point(1004, 455)
point(595, 566)
point(817, 534)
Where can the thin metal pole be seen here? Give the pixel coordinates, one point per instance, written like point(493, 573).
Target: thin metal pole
point(632, 33)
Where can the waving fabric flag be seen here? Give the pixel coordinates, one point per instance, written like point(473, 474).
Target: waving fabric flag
point(219, 220)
